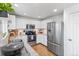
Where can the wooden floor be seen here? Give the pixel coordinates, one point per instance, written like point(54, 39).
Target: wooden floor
point(42, 50)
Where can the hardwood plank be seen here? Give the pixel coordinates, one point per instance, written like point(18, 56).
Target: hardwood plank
point(42, 50)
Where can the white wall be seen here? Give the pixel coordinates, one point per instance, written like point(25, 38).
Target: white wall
point(66, 31)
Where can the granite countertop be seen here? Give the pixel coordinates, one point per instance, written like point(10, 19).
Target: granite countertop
point(29, 48)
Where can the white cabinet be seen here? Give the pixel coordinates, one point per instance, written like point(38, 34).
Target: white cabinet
point(11, 22)
point(39, 39)
point(3, 24)
point(42, 39)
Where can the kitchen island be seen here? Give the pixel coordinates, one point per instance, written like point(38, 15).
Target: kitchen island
point(27, 50)
point(27, 45)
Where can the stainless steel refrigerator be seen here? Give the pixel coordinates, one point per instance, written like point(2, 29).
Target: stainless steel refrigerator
point(55, 37)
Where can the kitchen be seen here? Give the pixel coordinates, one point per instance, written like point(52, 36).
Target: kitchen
point(39, 26)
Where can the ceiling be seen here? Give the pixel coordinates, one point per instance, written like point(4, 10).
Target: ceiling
point(39, 10)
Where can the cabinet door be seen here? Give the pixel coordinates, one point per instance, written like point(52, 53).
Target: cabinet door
point(1, 26)
point(39, 39)
point(11, 22)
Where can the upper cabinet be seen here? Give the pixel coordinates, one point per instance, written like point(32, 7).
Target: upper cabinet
point(11, 22)
point(3, 24)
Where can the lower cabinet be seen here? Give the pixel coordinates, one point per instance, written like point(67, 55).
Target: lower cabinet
point(42, 39)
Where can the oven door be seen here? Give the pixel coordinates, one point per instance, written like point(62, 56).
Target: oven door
point(31, 38)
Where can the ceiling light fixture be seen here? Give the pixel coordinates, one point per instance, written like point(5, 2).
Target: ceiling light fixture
point(24, 13)
point(39, 16)
point(55, 10)
point(16, 5)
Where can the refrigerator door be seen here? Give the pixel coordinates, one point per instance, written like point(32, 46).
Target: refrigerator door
point(55, 32)
point(51, 32)
point(59, 33)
